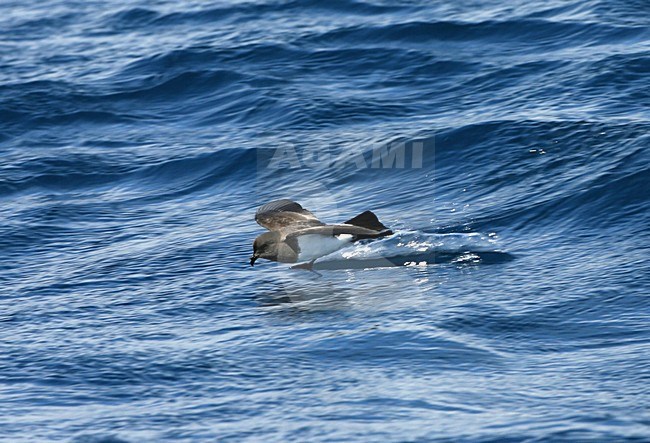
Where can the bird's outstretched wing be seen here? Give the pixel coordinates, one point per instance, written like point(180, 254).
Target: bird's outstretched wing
point(279, 215)
point(357, 232)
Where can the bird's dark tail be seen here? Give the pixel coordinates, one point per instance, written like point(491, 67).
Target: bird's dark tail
point(367, 220)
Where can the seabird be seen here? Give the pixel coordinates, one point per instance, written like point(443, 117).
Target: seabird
point(296, 235)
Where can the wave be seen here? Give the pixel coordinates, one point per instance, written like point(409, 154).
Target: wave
point(171, 177)
point(524, 33)
point(137, 18)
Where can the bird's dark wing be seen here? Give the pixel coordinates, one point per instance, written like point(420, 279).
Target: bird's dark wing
point(357, 232)
point(283, 215)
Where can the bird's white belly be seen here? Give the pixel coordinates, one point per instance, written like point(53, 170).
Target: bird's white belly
point(313, 246)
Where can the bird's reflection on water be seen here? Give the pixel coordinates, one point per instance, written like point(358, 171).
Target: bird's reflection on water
point(308, 290)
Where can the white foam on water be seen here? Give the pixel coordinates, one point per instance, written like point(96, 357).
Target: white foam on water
point(415, 243)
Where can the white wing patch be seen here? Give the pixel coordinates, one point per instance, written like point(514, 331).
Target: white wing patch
point(314, 245)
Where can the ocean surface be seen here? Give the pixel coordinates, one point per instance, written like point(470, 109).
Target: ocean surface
point(505, 143)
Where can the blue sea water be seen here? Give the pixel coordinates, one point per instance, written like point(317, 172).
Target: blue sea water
point(137, 138)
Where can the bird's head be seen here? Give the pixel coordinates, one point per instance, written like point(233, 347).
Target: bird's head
point(266, 246)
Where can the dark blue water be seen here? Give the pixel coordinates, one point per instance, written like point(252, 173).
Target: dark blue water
point(138, 138)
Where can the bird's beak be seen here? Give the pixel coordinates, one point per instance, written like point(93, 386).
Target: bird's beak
point(253, 258)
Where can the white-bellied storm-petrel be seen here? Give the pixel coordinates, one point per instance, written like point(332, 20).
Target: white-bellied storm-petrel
point(296, 235)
